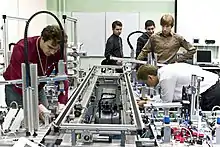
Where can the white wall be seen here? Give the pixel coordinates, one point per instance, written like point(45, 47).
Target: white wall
point(24, 9)
point(198, 19)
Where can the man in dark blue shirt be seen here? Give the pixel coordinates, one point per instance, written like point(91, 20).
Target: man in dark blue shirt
point(114, 44)
point(142, 40)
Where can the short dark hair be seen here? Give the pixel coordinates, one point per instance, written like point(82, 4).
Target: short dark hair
point(149, 23)
point(53, 32)
point(116, 23)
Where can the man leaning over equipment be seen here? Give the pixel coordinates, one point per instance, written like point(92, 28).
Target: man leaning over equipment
point(172, 77)
point(44, 51)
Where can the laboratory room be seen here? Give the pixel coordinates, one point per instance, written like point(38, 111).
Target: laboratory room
point(128, 73)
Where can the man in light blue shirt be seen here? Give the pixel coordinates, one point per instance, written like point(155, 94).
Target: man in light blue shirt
point(172, 77)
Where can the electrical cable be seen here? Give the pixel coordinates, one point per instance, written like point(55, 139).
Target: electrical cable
point(128, 39)
point(213, 108)
point(16, 104)
point(7, 134)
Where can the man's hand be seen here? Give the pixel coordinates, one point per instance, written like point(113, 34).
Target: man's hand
point(42, 111)
point(119, 62)
point(60, 107)
point(134, 65)
point(141, 103)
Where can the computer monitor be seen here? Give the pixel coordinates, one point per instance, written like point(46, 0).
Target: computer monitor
point(203, 57)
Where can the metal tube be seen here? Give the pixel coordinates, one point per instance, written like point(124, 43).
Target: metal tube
point(193, 95)
point(199, 79)
point(98, 127)
point(128, 60)
point(71, 35)
point(73, 137)
point(74, 21)
point(16, 18)
point(123, 138)
point(65, 29)
point(40, 80)
point(61, 67)
point(75, 33)
point(23, 71)
point(30, 110)
point(5, 35)
point(71, 19)
point(5, 41)
point(34, 85)
point(151, 60)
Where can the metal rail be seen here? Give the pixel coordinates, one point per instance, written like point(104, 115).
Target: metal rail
point(135, 109)
point(73, 97)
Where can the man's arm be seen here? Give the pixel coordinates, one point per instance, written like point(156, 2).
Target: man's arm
point(189, 47)
point(108, 49)
point(145, 50)
point(17, 58)
point(167, 89)
point(140, 45)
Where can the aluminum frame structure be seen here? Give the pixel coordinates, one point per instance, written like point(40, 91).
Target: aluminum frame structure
point(5, 35)
point(194, 91)
point(73, 30)
point(83, 94)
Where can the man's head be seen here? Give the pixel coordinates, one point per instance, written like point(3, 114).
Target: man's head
point(149, 27)
point(51, 37)
point(148, 74)
point(167, 23)
point(117, 27)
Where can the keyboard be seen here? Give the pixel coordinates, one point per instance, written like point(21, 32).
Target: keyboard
point(208, 65)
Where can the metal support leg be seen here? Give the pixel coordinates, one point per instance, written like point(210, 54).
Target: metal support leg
point(167, 129)
point(151, 60)
point(34, 85)
point(193, 96)
point(65, 28)
point(123, 138)
point(27, 102)
point(199, 79)
point(5, 36)
point(73, 137)
point(5, 40)
point(75, 33)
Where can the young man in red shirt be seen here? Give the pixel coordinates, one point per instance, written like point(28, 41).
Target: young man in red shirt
point(44, 51)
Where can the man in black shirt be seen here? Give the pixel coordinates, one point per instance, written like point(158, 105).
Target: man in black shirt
point(114, 45)
point(142, 40)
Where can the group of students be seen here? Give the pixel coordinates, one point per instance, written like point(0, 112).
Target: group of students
point(44, 50)
point(176, 73)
